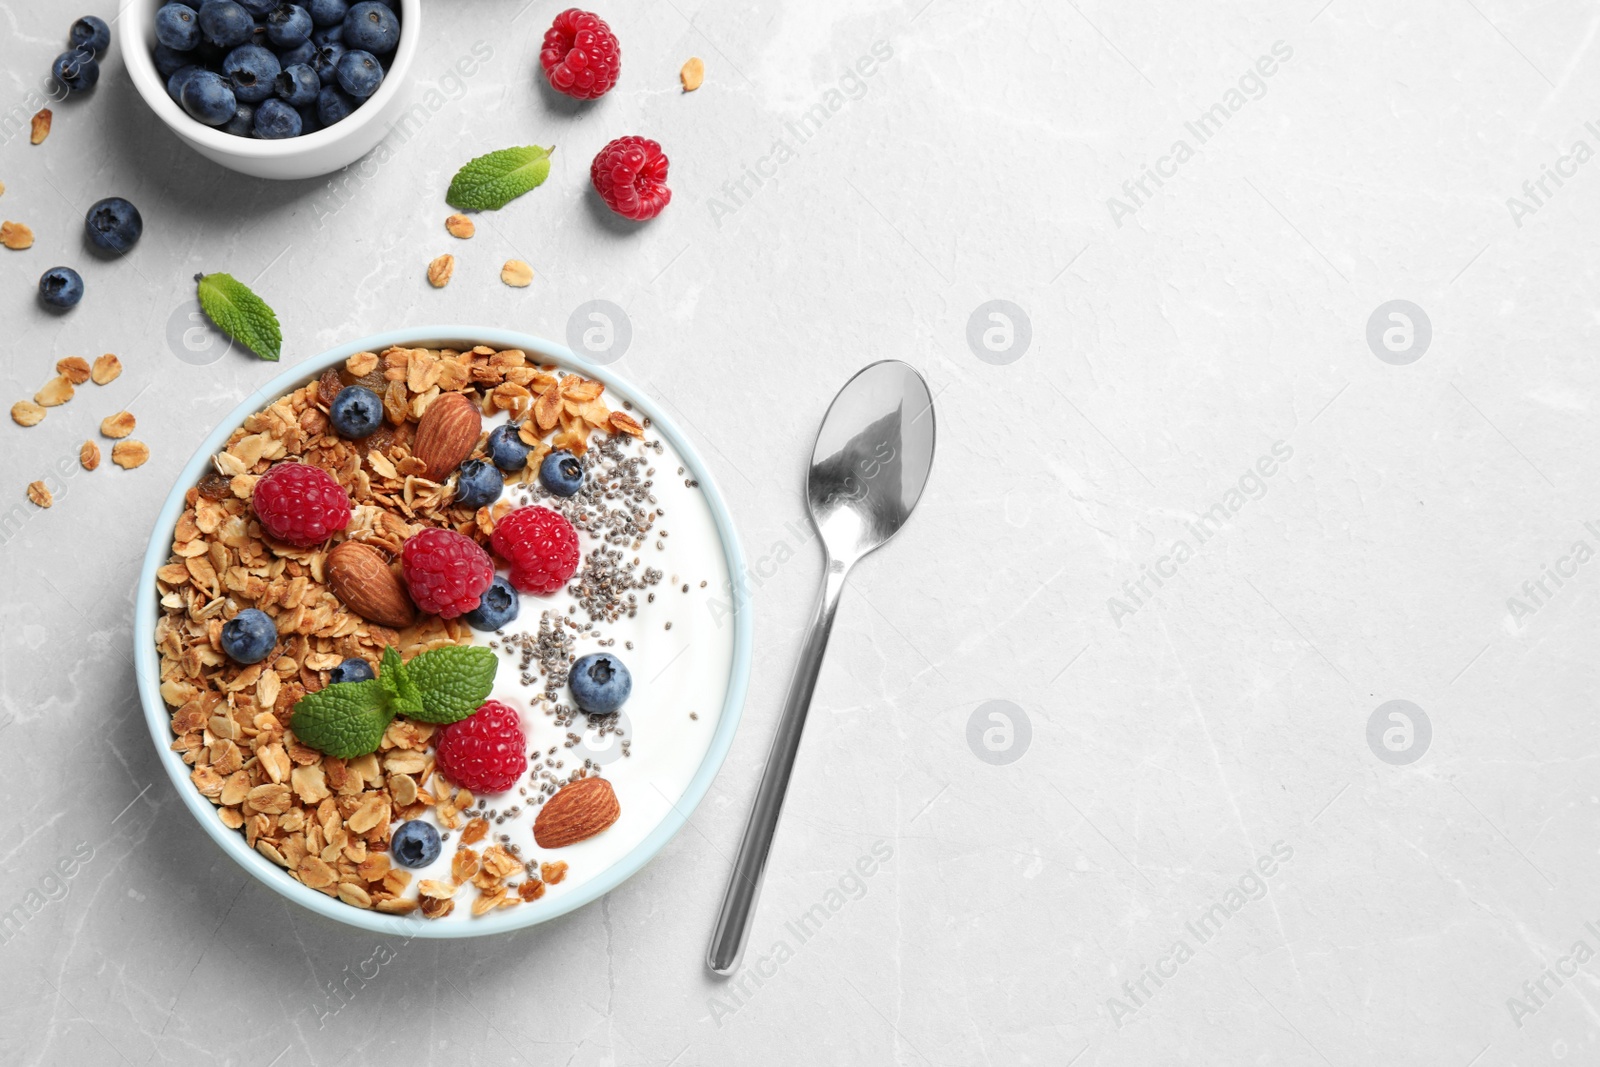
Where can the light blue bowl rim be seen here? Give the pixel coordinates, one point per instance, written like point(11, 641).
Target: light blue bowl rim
point(147, 609)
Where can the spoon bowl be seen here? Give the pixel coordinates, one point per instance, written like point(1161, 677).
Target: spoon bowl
point(871, 459)
point(868, 469)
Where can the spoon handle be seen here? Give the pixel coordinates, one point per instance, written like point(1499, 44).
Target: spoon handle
point(744, 884)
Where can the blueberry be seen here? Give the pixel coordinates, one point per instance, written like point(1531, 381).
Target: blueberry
point(299, 55)
point(326, 35)
point(243, 123)
point(329, 12)
point(260, 8)
point(479, 484)
point(506, 449)
point(178, 27)
point(250, 636)
point(600, 683)
point(360, 73)
point(61, 287)
point(310, 121)
point(225, 24)
point(354, 669)
point(356, 412)
point(297, 86)
point(92, 33)
point(207, 97)
point(113, 225)
point(497, 607)
point(251, 71)
point(326, 63)
point(169, 60)
point(371, 27)
point(276, 120)
point(415, 844)
point(561, 473)
point(176, 80)
point(333, 104)
point(289, 25)
point(76, 70)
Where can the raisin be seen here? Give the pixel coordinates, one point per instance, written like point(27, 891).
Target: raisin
point(215, 487)
point(328, 385)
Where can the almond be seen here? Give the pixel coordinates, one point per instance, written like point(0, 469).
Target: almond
point(446, 434)
point(578, 811)
point(362, 579)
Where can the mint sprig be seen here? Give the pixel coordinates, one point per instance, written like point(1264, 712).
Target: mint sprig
point(348, 719)
point(241, 314)
point(404, 697)
point(454, 680)
point(492, 181)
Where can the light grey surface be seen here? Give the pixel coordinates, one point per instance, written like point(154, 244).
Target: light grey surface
point(1167, 354)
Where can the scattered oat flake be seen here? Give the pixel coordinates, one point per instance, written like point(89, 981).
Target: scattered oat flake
point(15, 236)
point(693, 74)
point(74, 369)
point(460, 226)
point(106, 369)
point(440, 269)
point(130, 454)
point(39, 494)
point(516, 274)
point(117, 426)
point(27, 413)
point(56, 391)
point(89, 455)
point(41, 126)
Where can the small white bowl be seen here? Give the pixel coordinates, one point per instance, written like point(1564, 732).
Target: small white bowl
point(314, 154)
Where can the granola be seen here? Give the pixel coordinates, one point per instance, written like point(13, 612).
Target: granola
point(327, 821)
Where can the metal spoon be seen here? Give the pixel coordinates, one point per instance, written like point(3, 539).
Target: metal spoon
point(867, 471)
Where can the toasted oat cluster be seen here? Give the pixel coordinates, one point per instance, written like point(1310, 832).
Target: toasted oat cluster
point(326, 820)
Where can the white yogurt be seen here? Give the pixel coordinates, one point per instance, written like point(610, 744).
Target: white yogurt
point(680, 681)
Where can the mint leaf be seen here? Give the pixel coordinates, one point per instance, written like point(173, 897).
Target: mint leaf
point(404, 696)
point(454, 681)
point(346, 719)
point(491, 182)
point(240, 314)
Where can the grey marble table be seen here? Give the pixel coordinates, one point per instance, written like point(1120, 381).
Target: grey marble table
point(1263, 341)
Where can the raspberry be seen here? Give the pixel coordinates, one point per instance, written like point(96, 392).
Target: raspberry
point(446, 572)
point(541, 546)
point(630, 174)
point(485, 752)
point(300, 505)
point(580, 55)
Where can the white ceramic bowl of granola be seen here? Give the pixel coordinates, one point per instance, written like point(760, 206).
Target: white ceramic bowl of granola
point(322, 152)
point(660, 794)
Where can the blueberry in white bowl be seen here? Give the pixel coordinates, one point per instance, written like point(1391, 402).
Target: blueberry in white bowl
point(252, 45)
point(276, 120)
point(225, 24)
point(359, 73)
point(207, 97)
